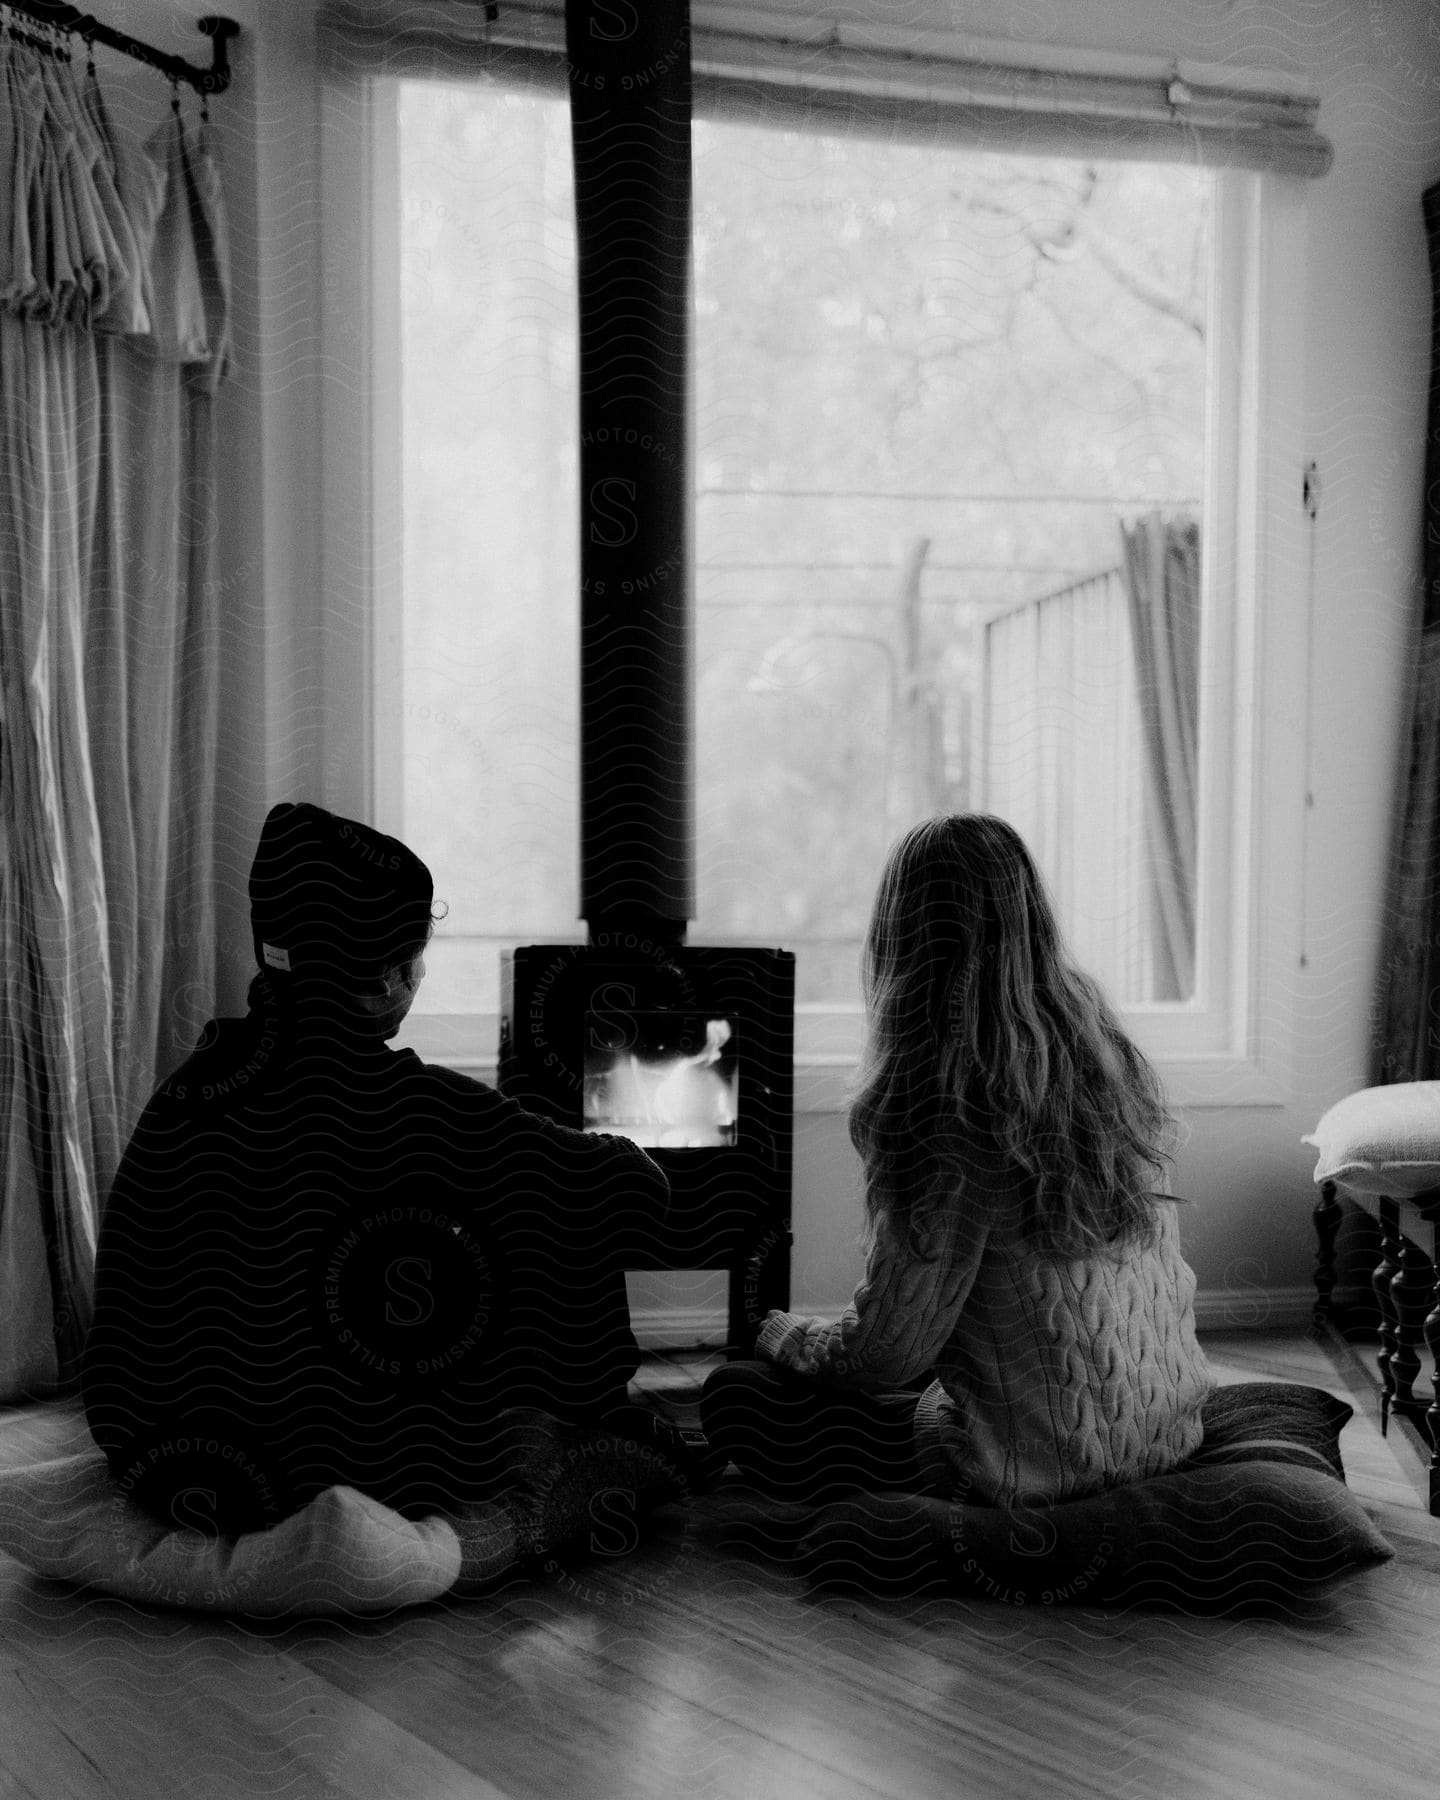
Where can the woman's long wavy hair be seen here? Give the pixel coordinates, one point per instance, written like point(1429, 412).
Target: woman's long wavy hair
point(995, 1072)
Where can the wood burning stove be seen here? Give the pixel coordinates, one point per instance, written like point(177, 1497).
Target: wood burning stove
point(686, 1048)
point(689, 1050)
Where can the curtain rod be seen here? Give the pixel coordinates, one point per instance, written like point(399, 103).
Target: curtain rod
point(213, 80)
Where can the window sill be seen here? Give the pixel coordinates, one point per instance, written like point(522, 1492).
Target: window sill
point(824, 1078)
point(823, 1084)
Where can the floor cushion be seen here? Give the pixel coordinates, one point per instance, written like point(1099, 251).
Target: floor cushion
point(66, 1519)
point(1258, 1518)
point(1250, 1536)
point(344, 1552)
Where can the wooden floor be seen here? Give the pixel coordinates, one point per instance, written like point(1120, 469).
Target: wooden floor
point(686, 1672)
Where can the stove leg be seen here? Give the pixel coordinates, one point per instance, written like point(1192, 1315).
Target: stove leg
point(759, 1283)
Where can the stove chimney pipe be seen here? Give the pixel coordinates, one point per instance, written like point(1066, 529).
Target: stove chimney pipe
point(629, 79)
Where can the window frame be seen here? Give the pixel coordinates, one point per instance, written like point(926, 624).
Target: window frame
point(1221, 1048)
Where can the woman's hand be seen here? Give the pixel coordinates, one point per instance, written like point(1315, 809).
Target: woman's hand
point(782, 1339)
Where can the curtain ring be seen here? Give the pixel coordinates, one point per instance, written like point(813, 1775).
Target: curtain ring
point(90, 57)
point(175, 95)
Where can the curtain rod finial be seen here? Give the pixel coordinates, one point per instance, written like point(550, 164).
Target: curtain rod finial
point(220, 30)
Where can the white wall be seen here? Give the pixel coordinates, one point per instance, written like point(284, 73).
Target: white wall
point(1376, 66)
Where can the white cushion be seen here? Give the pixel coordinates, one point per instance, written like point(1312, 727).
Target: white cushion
point(1382, 1140)
point(343, 1553)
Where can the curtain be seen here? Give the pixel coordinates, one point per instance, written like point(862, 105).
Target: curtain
point(114, 337)
point(1061, 744)
point(1162, 574)
point(1406, 1045)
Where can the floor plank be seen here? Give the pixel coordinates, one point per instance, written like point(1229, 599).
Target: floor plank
point(689, 1670)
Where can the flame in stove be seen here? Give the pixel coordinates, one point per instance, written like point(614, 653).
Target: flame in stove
point(679, 1102)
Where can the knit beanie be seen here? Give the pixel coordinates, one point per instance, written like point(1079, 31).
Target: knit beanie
point(332, 897)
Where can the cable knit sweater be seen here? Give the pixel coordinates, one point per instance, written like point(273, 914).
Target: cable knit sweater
point(1056, 1378)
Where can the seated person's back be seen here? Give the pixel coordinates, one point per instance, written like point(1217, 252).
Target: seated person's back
point(1023, 1268)
point(325, 1261)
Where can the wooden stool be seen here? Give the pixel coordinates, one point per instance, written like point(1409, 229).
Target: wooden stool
point(1380, 1147)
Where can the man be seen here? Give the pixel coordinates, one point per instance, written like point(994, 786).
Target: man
point(324, 1261)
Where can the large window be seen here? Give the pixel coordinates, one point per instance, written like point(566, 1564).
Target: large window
point(957, 544)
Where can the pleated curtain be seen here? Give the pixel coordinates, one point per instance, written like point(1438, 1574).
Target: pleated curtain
point(1162, 579)
point(114, 338)
point(1406, 1044)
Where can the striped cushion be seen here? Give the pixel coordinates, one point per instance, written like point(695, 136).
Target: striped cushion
point(1258, 1517)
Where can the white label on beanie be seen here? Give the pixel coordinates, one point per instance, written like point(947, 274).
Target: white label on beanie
point(276, 958)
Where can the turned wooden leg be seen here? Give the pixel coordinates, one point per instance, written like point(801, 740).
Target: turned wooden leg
point(1328, 1214)
point(1412, 1287)
point(1432, 1418)
point(1380, 1280)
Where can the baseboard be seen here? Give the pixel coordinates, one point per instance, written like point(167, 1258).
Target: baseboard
point(1216, 1309)
point(1255, 1308)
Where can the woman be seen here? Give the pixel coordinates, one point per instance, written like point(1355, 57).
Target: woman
point(1024, 1329)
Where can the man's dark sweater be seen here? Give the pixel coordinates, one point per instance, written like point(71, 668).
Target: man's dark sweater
point(334, 1263)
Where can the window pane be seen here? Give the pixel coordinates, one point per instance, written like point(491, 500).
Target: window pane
point(931, 385)
point(490, 627)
